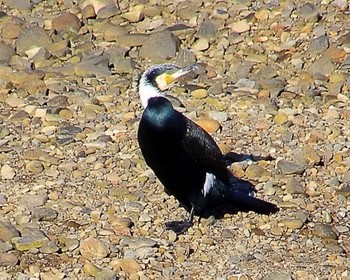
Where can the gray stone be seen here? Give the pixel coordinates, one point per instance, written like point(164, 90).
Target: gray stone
point(309, 12)
point(318, 45)
point(30, 239)
point(324, 231)
point(93, 67)
point(289, 167)
point(7, 231)
point(106, 274)
point(132, 40)
point(32, 37)
point(207, 30)
point(5, 247)
point(185, 57)
point(6, 52)
point(8, 259)
point(293, 186)
point(35, 200)
point(278, 276)
point(322, 65)
point(44, 214)
point(160, 47)
point(137, 242)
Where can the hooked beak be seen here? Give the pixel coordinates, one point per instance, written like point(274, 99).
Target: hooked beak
point(165, 80)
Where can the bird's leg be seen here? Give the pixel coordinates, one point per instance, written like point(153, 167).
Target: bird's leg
point(180, 227)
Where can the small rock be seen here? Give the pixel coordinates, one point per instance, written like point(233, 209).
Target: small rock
point(44, 214)
point(201, 44)
point(7, 231)
point(209, 125)
point(322, 65)
point(6, 52)
point(164, 42)
point(218, 116)
point(255, 171)
point(133, 16)
point(318, 45)
point(30, 240)
point(127, 265)
point(293, 186)
point(207, 30)
point(35, 200)
point(289, 167)
point(8, 259)
point(106, 274)
point(309, 12)
point(324, 231)
point(5, 247)
point(199, 93)
point(293, 223)
point(137, 242)
point(107, 11)
point(91, 269)
point(35, 167)
point(240, 26)
point(66, 22)
point(49, 247)
point(280, 118)
point(11, 30)
point(93, 249)
point(278, 276)
point(3, 199)
point(7, 172)
point(32, 37)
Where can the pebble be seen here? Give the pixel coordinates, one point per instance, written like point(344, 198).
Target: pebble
point(289, 167)
point(30, 240)
point(8, 231)
point(133, 16)
point(7, 172)
point(126, 265)
point(8, 259)
point(106, 274)
point(35, 167)
point(166, 44)
point(199, 93)
point(91, 269)
point(201, 44)
point(32, 37)
point(293, 223)
point(44, 214)
point(6, 52)
point(209, 125)
point(207, 30)
point(137, 242)
point(324, 231)
point(293, 186)
point(35, 200)
point(93, 249)
point(240, 26)
point(66, 22)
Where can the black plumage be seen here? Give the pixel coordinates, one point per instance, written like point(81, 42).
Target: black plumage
point(189, 164)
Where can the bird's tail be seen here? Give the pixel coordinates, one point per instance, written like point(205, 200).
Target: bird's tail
point(241, 195)
point(245, 202)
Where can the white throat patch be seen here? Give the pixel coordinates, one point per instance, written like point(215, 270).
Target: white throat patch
point(147, 91)
point(209, 183)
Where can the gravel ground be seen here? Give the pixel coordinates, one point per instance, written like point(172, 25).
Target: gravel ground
point(77, 200)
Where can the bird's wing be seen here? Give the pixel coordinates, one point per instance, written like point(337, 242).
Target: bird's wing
point(204, 150)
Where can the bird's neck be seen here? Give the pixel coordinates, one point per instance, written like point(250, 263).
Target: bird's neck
point(147, 91)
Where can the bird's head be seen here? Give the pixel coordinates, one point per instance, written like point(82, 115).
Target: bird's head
point(157, 79)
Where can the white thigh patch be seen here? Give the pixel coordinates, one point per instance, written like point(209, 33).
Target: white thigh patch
point(208, 184)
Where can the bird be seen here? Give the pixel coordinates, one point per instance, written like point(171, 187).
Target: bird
point(183, 156)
